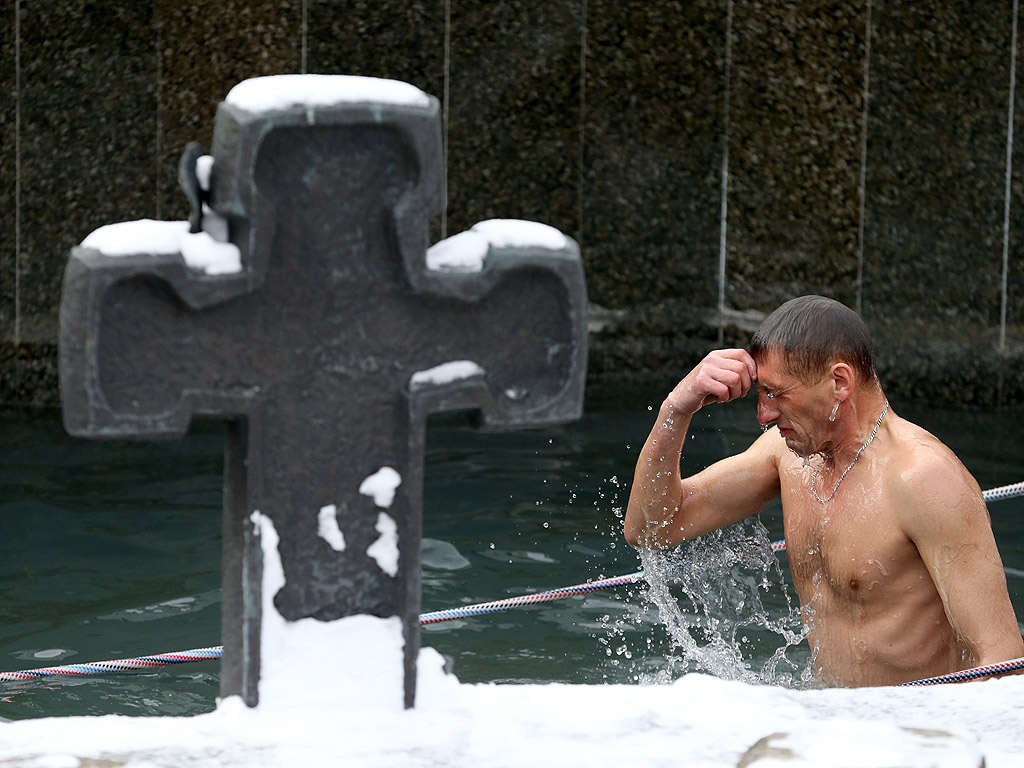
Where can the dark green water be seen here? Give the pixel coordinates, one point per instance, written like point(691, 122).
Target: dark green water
point(112, 550)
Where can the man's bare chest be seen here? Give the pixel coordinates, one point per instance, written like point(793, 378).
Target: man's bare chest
point(850, 548)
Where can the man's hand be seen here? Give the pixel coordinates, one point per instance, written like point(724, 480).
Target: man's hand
point(724, 375)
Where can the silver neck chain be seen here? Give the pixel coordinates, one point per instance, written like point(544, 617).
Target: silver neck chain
point(814, 477)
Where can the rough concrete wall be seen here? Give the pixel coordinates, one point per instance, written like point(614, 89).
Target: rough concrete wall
point(713, 158)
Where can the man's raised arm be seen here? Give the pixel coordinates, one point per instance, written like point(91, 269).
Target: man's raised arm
point(664, 509)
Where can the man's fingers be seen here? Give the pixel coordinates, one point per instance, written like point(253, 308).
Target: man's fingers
point(734, 375)
point(738, 361)
point(716, 391)
point(723, 383)
point(742, 356)
point(723, 375)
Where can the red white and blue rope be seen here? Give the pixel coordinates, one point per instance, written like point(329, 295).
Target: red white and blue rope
point(1004, 492)
point(478, 609)
point(120, 665)
point(208, 654)
point(538, 597)
point(971, 674)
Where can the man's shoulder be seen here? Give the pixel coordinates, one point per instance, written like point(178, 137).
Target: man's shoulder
point(925, 471)
point(771, 446)
point(915, 448)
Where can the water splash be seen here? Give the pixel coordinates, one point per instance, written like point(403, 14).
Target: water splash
point(711, 594)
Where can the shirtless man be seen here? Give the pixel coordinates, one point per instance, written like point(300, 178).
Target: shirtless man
point(888, 537)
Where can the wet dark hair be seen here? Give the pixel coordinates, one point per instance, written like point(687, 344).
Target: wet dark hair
point(810, 333)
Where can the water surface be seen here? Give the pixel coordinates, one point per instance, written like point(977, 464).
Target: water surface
point(112, 550)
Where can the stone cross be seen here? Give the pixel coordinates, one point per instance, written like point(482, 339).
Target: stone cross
point(324, 347)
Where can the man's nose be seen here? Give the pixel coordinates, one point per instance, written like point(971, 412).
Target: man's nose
point(767, 413)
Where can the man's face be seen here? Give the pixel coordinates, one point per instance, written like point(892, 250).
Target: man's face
point(798, 409)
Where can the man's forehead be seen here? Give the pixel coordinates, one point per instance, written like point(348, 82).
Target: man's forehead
point(775, 371)
point(772, 371)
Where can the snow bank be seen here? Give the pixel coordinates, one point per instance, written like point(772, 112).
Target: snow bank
point(698, 722)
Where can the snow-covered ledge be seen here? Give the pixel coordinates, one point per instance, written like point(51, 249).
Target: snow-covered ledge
point(697, 722)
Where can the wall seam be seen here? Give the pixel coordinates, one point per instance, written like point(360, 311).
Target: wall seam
point(1007, 187)
point(17, 172)
point(723, 230)
point(305, 35)
point(444, 109)
point(863, 181)
point(159, 22)
point(582, 132)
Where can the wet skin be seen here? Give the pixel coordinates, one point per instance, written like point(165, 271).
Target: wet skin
point(874, 615)
point(897, 573)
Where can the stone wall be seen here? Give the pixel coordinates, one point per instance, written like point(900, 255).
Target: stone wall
point(712, 158)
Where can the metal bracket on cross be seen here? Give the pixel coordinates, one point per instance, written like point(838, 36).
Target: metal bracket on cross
point(303, 307)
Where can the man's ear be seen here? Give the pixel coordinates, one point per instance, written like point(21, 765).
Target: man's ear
point(843, 380)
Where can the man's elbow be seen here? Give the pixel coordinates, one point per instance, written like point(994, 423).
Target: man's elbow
point(631, 534)
point(646, 535)
point(653, 524)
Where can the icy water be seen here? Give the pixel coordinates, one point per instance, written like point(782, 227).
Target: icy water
point(112, 550)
